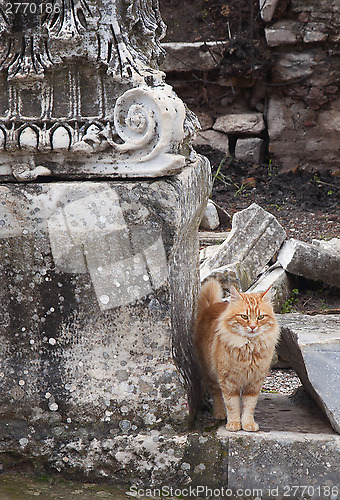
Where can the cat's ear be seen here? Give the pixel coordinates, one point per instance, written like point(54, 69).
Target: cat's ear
point(267, 295)
point(234, 294)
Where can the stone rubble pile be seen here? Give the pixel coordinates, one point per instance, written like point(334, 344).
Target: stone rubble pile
point(255, 237)
point(256, 255)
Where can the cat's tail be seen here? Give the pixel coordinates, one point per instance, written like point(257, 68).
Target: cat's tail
point(210, 293)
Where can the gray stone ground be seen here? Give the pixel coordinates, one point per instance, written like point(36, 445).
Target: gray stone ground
point(27, 487)
point(295, 447)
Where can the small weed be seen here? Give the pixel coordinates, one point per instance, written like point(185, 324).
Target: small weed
point(240, 189)
point(228, 181)
point(318, 180)
point(323, 304)
point(221, 177)
point(44, 478)
point(270, 170)
point(277, 206)
point(287, 307)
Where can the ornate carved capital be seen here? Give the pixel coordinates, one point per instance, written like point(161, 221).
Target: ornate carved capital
point(80, 94)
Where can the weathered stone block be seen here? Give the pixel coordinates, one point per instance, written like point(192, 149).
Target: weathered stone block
point(293, 66)
point(214, 139)
point(279, 280)
point(250, 150)
point(318, 7)
point(312, 345)
point(244, 123)
point(211, 461)
point(290, 32)
point(94, 276)
point(279, 464)
point(330, 120)
point(283, 33)
point(276, 118)
point(255, 237)
point(310, 261)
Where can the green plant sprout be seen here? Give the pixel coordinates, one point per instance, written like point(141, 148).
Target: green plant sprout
point(287, 307)
point(226, 180)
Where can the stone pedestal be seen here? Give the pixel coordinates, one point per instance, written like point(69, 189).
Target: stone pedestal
point(101, 195)
point(98, 281)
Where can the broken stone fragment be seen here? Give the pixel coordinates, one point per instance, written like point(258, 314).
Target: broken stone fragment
point(207, 252)
point(312, 346)
point(330, 121)
point(210, 219)
point(279, 280)
point(251, 149)
point(310, 261)
point(244, 123)
point(332, 246)
point(267, 9)
point(254, 239)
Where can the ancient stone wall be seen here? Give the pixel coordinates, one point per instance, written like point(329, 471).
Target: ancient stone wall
point(304, 107)
point(288, 112)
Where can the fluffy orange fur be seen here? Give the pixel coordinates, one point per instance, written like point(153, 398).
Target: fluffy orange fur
point(235, 343)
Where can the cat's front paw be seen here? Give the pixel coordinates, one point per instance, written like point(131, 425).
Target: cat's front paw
point(233, 425)
point(250, 426)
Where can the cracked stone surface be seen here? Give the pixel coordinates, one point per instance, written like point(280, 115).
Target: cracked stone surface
point(255, 237)
point(311, 261)
point(312, 345)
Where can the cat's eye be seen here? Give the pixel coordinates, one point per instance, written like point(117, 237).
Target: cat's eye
point(261, 316)
point(244, 316)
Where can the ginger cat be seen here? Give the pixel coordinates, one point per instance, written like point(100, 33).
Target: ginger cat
point(235, 343)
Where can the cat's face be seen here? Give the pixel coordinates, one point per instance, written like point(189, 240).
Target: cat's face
point(250, 315)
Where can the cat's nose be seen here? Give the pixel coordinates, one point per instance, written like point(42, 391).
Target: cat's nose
point(253, 328)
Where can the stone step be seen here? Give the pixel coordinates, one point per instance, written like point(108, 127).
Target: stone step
point(296, 448)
